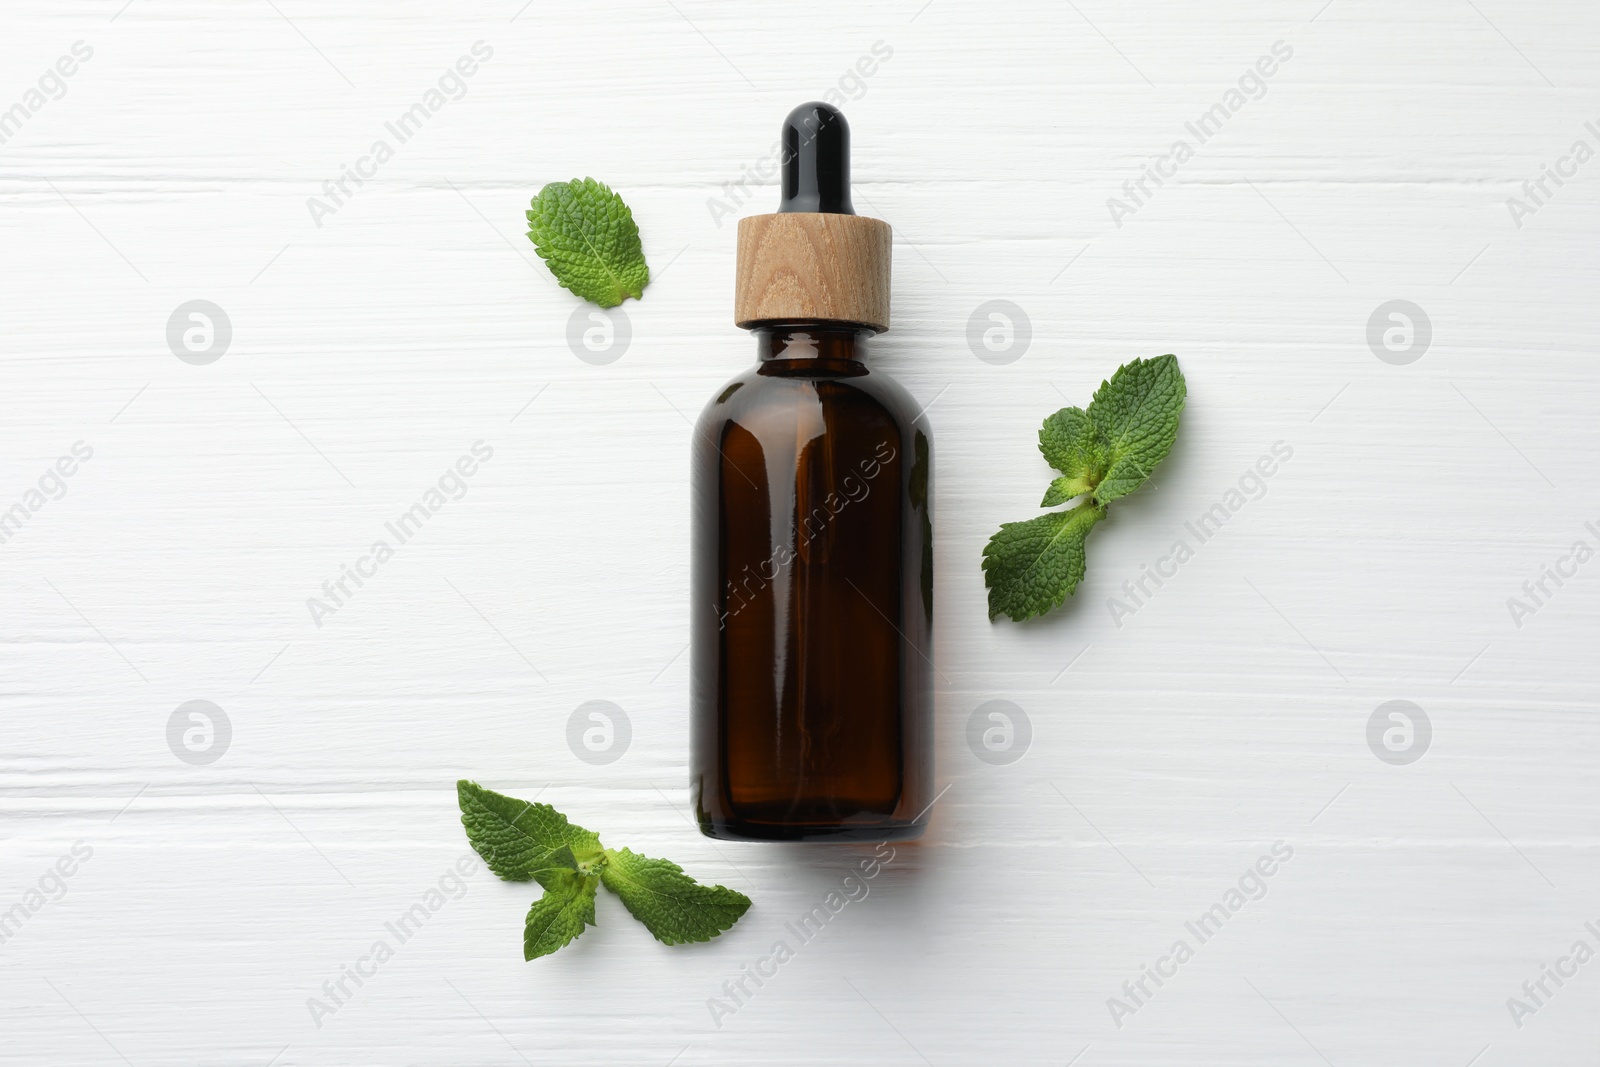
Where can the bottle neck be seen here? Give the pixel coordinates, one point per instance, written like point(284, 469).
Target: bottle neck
point(826, 342)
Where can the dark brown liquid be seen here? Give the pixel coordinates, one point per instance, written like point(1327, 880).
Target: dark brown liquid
point(812, 599)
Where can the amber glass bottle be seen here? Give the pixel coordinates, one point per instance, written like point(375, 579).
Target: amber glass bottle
point(812, 585)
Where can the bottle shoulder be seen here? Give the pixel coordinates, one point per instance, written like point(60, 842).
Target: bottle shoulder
point(759, 398)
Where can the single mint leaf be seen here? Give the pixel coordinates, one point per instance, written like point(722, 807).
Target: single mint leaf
point(1062, 490)
point(560, 915)
point(586, 235)
point(672, 906)
point(520, 840)
point(1136, 414)
point(1072, 445)
point(1031, 567)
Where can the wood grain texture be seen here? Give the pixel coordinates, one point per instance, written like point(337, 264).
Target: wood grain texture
point(377, 338)
point(804, 266)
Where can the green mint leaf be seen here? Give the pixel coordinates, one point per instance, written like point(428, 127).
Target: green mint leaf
point(1072, 445)
point(672, 906)
point(1103, 454)
point(520, 840)
point(1062, 490)
point(1136, 413)
point(1031, 567)
point(586, 235)
point(560, 915)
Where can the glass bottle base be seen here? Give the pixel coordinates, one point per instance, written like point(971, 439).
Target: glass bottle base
point(828, 833)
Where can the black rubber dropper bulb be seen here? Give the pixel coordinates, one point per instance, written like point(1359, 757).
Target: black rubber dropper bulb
point(816, 161)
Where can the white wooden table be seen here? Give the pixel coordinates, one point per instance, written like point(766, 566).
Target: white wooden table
point(224, 868)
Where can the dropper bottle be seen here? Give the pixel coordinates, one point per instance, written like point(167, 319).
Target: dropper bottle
point(812, 578)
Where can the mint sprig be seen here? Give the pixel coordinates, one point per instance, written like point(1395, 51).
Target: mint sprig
point(1103, 454)
point(587, 237)
point(523, 841)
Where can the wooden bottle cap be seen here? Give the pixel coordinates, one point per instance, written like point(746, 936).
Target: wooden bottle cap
point(812, 266)
point(815, 259)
